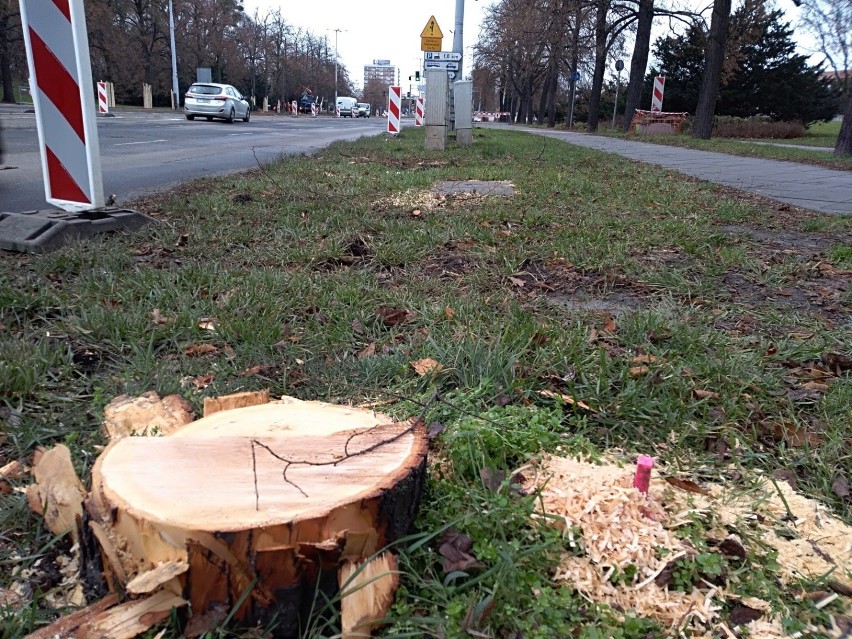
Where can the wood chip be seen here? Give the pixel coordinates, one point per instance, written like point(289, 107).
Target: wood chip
point(147, 415)
point(58, 491)
point(236, 400)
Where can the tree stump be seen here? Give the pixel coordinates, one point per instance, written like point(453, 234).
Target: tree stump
point(259, 509)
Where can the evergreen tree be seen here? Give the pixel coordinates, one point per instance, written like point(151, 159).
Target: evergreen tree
point(763, 74)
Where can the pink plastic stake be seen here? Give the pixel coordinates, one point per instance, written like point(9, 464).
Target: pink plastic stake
point(642, 478)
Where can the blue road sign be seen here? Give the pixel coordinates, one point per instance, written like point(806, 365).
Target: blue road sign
point(575, 76)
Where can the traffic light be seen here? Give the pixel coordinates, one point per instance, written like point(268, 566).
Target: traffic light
point(416, 76)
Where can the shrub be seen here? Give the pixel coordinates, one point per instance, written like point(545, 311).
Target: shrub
point(757, 127)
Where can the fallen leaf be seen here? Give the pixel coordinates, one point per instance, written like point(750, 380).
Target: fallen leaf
point(840, 487)
point(644, 358)
point(415, 213)
point(795, 435)
point(816, 386)
point(207, 324)
point(200, 349)
point(160, 319)
point(733, 547)
point(503, 400)
point(638, 371)
point(425, 366)
point(449, 313)
point(434, 429)
point(455, 548)
point(367, 351)
point(786, 475)
point(357, 327)
point(261, 369)
point(203, 381)
point(801, 334)
point(704, 394)
point(687, 485)
point(183, 240)
point(836, 361)
point(517, 281)
point(609, 326)
point(391, 317)
point(492, 479)
point(567, 399)
point(539, 339)
point(743, 614)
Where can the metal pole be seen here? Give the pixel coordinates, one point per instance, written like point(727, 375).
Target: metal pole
point(457, 35)
point(615, 106)
point(175, 98)
point(336, 31)
point(573, 95)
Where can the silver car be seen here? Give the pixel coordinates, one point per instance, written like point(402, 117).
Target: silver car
point(210, 100)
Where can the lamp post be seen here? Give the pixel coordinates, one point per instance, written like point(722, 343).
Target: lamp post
point(336, 31)
point(175, 98)
point(619, 65)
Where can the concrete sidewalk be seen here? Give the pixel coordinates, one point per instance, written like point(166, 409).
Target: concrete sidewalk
point(805, 185)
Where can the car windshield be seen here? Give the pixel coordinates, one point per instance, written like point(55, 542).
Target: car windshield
point(204, 89)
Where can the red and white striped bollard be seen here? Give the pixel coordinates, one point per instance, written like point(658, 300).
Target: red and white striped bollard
point(657, 94)
point(394, 108)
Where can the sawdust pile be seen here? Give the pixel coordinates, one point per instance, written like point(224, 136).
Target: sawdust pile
point(621, 541)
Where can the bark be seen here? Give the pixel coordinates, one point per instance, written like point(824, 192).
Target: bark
point(600, 64)
point(714, 58)
point(639, 61)
point(844, 140)
point(210, 513)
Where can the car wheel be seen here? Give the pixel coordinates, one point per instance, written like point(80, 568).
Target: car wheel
point(190, 117)
point(248, 115)
point(230, 118)
point(209, 118)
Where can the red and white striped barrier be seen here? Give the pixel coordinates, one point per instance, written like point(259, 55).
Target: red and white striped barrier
point(103, 99)
point(657, 95)
point(314, 109)
point(394, 108)
point(295, 107)
point(419, 110)
point(63, 97)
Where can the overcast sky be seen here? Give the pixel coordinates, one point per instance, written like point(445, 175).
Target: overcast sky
point(388, 30)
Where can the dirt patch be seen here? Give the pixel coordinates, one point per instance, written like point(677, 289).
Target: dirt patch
point(444, 195)
point(785, 240)
point(498, 188)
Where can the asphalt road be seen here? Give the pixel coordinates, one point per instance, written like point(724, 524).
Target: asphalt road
point(149, 151)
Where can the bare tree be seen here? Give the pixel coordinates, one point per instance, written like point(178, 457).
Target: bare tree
point(714, 58)
point(11, 45)
point(639, 60)
point(830, 22)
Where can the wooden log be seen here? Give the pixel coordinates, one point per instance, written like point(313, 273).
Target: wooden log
point(259, 508)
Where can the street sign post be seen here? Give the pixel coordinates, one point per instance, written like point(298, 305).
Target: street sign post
point(446, 65)
point(431, 36)
point(442, 55)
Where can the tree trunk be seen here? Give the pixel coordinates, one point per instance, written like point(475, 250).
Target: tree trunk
point(551, 95)
point(600, 65)
point(714, 57)
point(266, 510)
point(844, 139)
point(639, 61)
point(5, 60)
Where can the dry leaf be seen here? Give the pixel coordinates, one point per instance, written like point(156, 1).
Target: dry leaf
point(203, 381)
point(687, 485)
point(743, 615)
point(200, 349)
point(517, 281)
point(609, 326)
point(704, 394)
point(357, 327)
point(160, 319)
point(840, 487)
point(567, 399)
point(455, 548)
point(450, 313)
point(368, 351)
point(816, 386)
point(207, 324)
point(638, 371)
point(425, 366)
point(391, 317)
point(644, 358)
point(434, 429)
point(795, 435)
point(183, 240)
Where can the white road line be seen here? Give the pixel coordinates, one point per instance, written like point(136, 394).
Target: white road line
point(145, 142)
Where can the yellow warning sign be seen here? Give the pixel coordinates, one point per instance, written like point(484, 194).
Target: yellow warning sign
point(432, 30)
point(430, 44)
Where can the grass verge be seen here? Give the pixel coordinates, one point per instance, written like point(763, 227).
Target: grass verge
point(703, 328)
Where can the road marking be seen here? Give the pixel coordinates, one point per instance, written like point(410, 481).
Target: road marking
point(144, 142)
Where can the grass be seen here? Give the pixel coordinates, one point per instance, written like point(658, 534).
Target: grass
point(594, 261)
point(823, 134)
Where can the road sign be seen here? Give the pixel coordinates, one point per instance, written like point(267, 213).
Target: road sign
point(430, 44)
point(442, 55)
point(575, 76)
point(446, 65)
point(432, 30)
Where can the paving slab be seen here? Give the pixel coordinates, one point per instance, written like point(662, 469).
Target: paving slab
point(803, 185)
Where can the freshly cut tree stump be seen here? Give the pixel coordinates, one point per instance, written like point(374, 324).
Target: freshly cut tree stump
point(264, 506)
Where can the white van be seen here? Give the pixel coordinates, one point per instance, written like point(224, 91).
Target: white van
point(347, 107)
